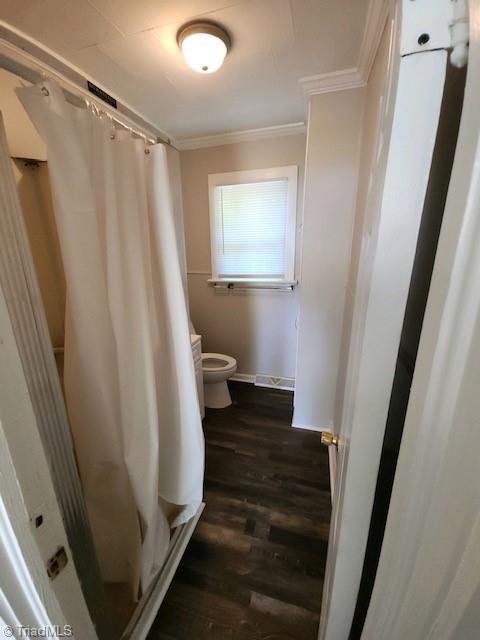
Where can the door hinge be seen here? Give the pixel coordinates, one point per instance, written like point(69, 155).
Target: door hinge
point(57, 563)
point(459, 33)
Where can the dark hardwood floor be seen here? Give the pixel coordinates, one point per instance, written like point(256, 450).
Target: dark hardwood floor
point(255, 565)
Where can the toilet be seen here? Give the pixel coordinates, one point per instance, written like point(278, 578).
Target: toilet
point(217, 368)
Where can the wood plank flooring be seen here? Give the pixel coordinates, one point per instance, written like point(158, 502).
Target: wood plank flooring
point(255, 565)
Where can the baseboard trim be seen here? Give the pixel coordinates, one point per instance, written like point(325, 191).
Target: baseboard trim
point(243, 377)
point(308, 427)
point(268, 381)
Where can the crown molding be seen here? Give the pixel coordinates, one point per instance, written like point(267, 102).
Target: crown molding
point(333, 81)
point(248, 135)
point(377, 14)
point(354, 77)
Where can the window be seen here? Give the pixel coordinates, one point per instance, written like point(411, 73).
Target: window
point(252, 224)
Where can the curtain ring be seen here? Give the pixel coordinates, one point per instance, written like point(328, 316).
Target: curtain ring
point(147, 150)
point(45, 91)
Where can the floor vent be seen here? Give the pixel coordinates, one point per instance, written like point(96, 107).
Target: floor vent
point(275, 382)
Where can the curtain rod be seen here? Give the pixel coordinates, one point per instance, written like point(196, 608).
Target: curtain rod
point(37, 64)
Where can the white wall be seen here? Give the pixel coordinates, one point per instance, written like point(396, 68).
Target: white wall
point(374, 96)
point(333, 144)
point(258, 328)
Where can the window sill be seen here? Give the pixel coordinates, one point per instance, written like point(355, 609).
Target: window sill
point(253, 283)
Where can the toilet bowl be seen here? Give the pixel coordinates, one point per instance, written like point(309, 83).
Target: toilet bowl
point(217, 368)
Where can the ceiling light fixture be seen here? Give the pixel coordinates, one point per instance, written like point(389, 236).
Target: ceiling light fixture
point(204, 46)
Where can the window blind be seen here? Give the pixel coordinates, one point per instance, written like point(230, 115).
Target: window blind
point(251, 229)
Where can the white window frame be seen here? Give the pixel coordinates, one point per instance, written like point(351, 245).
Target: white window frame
point(250, 176)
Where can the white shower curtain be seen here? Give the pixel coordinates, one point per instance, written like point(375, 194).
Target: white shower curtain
point(128, 374)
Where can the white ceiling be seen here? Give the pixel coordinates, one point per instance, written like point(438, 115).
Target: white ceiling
point(129, 46)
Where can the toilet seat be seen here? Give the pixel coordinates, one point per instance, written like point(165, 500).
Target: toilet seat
point(217, 362)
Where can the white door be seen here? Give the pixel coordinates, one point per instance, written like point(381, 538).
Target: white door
point(402, 160)
point(429, 569)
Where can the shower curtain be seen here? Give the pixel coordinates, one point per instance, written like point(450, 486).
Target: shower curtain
point(128, 373)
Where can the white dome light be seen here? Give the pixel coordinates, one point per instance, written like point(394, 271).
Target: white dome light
point(204, 46)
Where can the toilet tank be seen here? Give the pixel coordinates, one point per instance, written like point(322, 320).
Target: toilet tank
point(196, 342)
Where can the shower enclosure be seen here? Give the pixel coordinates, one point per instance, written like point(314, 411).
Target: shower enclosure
point(133, 470)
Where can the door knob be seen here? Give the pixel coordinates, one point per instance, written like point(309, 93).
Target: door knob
point(329, 439)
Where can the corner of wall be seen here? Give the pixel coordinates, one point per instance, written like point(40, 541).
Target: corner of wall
point(333, 139)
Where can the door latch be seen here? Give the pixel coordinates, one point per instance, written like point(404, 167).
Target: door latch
point(57, 563)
